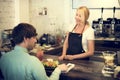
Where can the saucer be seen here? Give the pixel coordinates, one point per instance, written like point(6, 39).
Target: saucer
point(107, 72)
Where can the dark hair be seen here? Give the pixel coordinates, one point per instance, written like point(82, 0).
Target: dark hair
point(21, 31)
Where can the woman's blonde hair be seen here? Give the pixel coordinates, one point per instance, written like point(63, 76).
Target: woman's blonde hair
point(86, 12)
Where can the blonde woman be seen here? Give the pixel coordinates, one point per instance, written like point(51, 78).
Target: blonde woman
point(79, 43)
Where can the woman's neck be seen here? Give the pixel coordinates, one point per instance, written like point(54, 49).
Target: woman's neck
point(79, 28)
point(80, 25)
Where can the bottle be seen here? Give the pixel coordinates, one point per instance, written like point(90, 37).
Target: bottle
point(113, 25)
point(101, 24)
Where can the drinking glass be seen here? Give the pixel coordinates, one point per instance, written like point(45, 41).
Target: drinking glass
point(109, 58)
point(109, 66)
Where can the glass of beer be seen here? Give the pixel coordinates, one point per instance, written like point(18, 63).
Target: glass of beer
point(109, 59)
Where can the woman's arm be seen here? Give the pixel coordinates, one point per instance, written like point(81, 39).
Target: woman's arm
point(65, 46)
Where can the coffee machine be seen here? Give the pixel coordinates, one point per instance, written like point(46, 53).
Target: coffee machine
point(109, 28)
point(6, 38)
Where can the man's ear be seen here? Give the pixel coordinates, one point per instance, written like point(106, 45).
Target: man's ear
point(25, 39)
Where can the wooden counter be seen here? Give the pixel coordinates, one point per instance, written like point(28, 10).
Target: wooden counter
point(103, 45)
point(56, 50)
point(83, 70)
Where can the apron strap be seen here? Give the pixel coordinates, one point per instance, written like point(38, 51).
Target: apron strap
point(76, 26)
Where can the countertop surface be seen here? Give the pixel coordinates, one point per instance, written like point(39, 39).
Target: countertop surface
point(83, 70)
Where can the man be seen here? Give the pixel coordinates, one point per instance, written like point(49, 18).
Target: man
point(18, 64)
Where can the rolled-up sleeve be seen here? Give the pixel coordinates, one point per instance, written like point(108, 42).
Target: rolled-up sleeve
point(39, 73)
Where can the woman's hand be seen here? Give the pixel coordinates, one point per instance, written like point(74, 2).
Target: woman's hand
point(61, 57)
point(69, 57)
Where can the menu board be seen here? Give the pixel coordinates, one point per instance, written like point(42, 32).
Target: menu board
point(96, 3)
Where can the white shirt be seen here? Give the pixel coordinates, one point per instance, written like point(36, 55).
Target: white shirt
point(88, 34)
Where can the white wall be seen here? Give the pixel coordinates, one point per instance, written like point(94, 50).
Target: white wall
point(24, 11)
point(7, 14)
point(60, 14)
point(13, 12)
point(98, 4)
point(51, 21)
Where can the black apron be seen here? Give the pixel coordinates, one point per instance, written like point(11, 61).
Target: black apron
point(75, 44)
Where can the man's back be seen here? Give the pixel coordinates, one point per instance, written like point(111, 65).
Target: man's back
point(18, 65)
